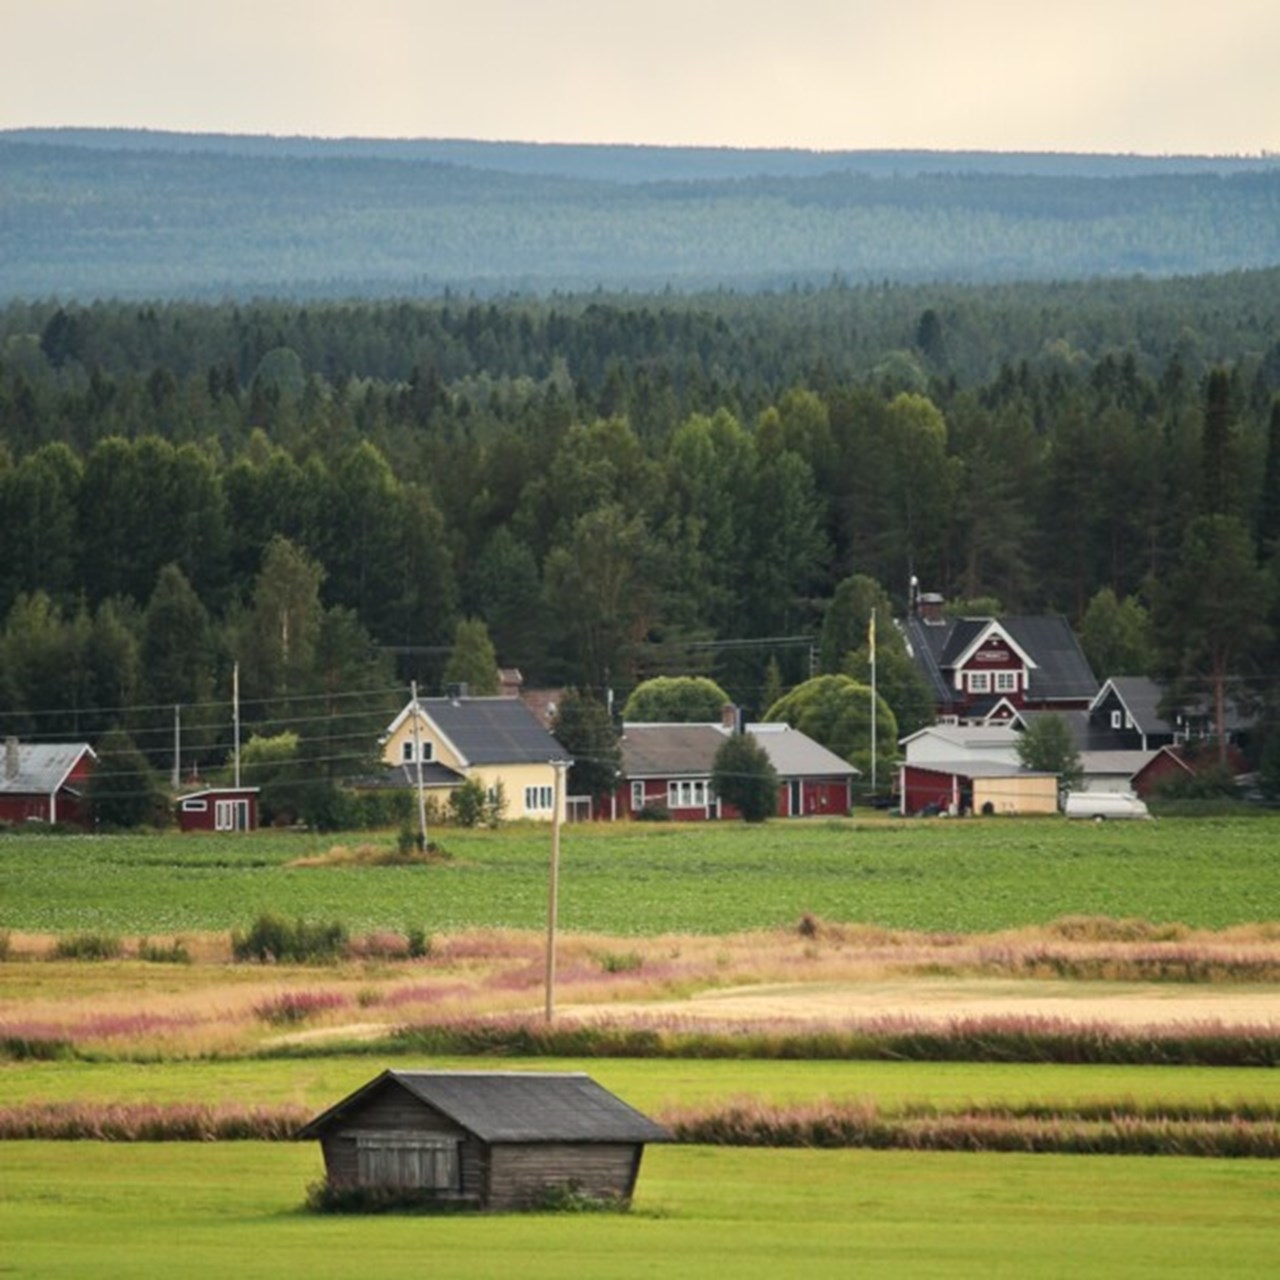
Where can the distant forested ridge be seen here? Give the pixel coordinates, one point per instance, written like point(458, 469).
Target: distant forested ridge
point(90, 214)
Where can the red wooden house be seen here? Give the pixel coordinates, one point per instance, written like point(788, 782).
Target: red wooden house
point(987, 670)
point(45, 782)
point(668, 767)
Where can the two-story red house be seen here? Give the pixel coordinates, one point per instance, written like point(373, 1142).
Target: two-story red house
point(986, 670)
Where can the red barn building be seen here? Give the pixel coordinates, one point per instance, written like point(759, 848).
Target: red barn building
point(45, 782)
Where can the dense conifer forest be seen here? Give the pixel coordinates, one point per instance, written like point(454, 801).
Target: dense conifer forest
point(616, 483)
point(112, 213)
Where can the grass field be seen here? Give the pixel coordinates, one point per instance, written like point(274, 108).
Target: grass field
point(650, 1084)
point(71, 1210)
point(971, 876)
point(901, 911)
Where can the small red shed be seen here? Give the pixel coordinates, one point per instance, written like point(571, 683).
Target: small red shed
point(219, 809)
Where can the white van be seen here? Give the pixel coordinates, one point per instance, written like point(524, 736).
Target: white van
point(1100, 805)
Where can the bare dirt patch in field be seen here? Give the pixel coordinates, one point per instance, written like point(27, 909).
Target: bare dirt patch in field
point(944, 1000)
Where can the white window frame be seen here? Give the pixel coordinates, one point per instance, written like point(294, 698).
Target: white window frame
point(637, 796)
point(978, 681)
point(429, 1162)
point(539, 799)
point(687, 793)
point(227, 815)
point(195, 806)
point(1006, 681)
point(1117, 719)
point(428, 751)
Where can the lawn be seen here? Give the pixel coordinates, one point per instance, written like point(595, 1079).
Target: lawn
point(650, 1084)
point(968, 876)
point(75, 1209)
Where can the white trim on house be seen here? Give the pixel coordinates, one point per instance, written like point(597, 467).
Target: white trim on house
point(993, 628)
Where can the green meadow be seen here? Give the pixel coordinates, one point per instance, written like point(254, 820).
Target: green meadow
point(651, 1084)
point(235, 1208)
point(966, 876)
point(71, 1210)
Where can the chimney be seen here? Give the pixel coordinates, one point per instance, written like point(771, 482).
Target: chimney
point(11, 758)
point(455, 692)
point(731, 718)
point(931, 604)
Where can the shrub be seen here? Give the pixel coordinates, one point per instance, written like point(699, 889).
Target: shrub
point(569, 1197)
point(156, 953)
point(467, 804)
point(655, 811)
point(272, 938)
point(329, 1197)
point(88, 946)
point(620, 961)
point(419, 942)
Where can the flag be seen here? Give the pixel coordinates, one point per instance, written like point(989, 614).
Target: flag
point(871, 636)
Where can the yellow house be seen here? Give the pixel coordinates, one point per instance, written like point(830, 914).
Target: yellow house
point(495, 741)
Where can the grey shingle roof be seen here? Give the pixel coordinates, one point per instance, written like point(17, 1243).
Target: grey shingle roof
point(796, 755)
point(42, 767)
point(670, 750)
point(1061, 671)
point(493, 730)
point(515, 1106)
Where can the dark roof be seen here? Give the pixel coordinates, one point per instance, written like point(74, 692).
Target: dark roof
point(1141, 698)
point(493, 730)
point(1061, 670)
point(513, 1106)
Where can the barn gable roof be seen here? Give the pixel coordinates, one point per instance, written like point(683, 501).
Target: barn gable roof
point(41, 767)
point(513, 1106)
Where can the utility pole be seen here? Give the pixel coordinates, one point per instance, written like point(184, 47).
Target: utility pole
point(417, 756)
point(177, 746)
point(235, 715)
point(871, 645)
point(553, 895)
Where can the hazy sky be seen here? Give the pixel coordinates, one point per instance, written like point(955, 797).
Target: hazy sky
point(1090, 75)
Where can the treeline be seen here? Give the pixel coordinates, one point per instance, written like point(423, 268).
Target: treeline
point(616, 489)
point(246, 218)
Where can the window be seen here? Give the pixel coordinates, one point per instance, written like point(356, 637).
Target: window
point(195, 806)
point(539, 799)
point(978, 681)
point(1117, 720)
point(687, 793)
point(637, 795)
point(1006, 681)
point(428, 751)
point(406, 1160)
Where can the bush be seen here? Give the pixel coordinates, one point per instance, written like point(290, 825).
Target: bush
point(655, 811)
point(569, 1197)
point(88, 946)
point(156, 953)
point(329, 1197)
point(272, 939)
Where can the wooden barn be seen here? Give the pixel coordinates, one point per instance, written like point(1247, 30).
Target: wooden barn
point(495, 1139)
